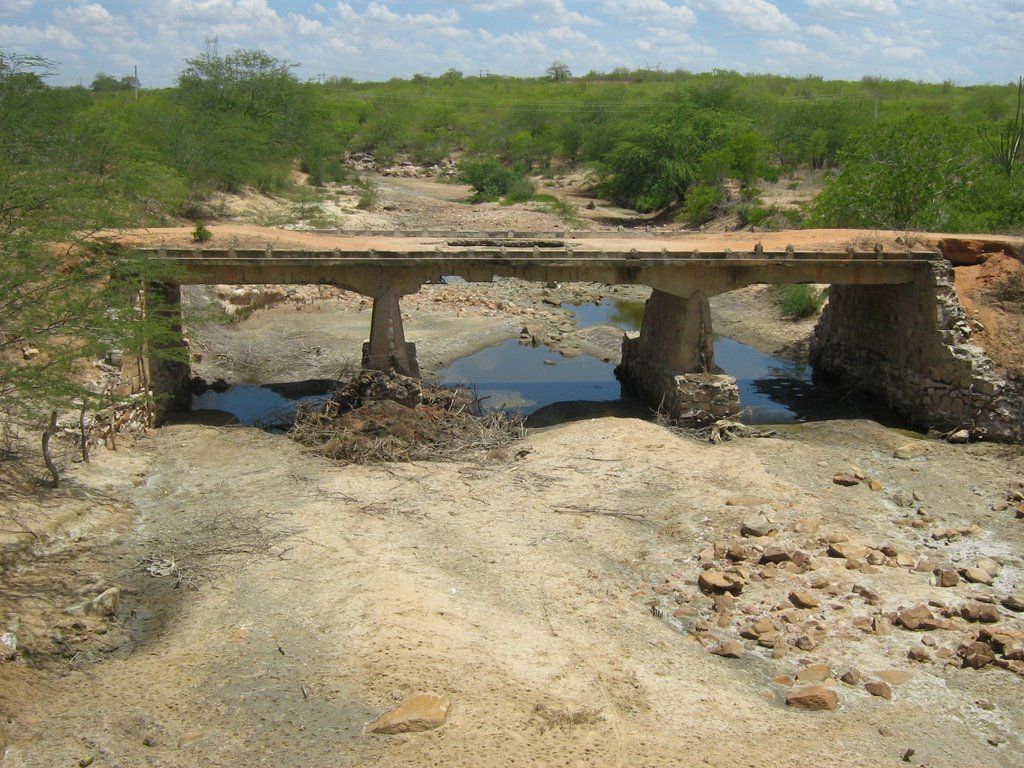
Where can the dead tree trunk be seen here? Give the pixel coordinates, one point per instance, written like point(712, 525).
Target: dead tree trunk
point(84, 433)
point(47, 434)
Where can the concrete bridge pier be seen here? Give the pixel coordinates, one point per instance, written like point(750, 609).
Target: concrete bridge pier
point(671, 363)
point(387, 347)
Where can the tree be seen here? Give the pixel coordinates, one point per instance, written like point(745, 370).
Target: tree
point(909, 174)
point(104, 83)
point(558, 71)
point(64, 301)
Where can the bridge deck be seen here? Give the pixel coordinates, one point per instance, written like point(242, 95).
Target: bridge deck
point(371, 261)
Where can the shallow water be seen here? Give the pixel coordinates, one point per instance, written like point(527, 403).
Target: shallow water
point(514, 376)
point(253, 405)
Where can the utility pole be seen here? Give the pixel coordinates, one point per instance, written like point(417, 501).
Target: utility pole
point(135, 82)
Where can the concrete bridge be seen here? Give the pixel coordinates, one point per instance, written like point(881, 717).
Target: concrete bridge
point(671, 362)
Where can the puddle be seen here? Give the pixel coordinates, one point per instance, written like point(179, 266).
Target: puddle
point(269, 407)
point(515, 376)
point(772, 390)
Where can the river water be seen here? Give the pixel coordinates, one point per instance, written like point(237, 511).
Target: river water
point(515, 376)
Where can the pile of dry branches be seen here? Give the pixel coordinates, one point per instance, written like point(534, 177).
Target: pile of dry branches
point(439, 424)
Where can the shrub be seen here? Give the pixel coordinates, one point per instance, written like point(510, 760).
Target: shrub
point(201, 234)
point(520, 190)
point(701, 203)
point(799, 301)
point(487, 176)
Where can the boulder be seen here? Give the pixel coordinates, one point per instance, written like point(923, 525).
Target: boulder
point(422, 712)
point(816, 697)
point(802, 599)
point(913, 450)
point(878, 688)
point(845, 480)
point(716, 582)
point(983, 612)
point(104, 604)
point(730, 649)
point(976, 575)
point(814, 673)
point(756, 525)
point(977, 655)
point(847, 550)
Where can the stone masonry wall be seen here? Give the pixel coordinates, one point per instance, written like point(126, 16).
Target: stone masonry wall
point(910, 346)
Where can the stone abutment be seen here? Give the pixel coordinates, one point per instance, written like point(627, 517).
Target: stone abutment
point(910, 346)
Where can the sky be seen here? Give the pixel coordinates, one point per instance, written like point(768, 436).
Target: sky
point(965, 41)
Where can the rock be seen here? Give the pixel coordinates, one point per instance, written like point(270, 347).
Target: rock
point(878, 688)
point(716, 582)
point(959, 437)
point(1014, 603)
point(989, 565)
point(422, 712)
point(870, 596)
point(987, 614)
point(903, 560)
point(805, 643)
point(874, 485)
point(912, 450)
point(880, 625)
point(946, 577)
point(730, 649)
point(977, 655)
point(370, 385)
point(30, 353)
point(918, 618)
point(976, 575)
point(903, 499)
point(775, 555)
point(814, 673)
point(803, 599)
point(919, 653)
point(724, 603)
point(807, 526)
point(845, 480)
point(104, 604)
point(756, 525)
point(816, 697)
point(747, 501)
point(893, 676)
point(851, 677)
point(847, 550)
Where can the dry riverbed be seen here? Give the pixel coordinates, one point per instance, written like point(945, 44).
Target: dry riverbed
point(552, 592)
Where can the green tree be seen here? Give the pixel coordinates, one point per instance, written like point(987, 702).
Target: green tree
point(911, 173)
point(63, 300)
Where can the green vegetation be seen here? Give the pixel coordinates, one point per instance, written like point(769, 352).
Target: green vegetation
point(201, 234)
point(65, 302)
point(799, 301)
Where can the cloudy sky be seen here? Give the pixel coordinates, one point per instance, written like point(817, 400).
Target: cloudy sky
point(968, 41)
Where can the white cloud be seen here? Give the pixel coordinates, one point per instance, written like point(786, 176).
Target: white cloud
point(858, 7)
point(651, 12)
point(537, 11)
point(15, 7)
point(755, 15)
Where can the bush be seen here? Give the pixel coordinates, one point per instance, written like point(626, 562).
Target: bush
point(799, 301)
point(701, 204)
point(487, 176)
point(201, 234)
point(520, 190)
